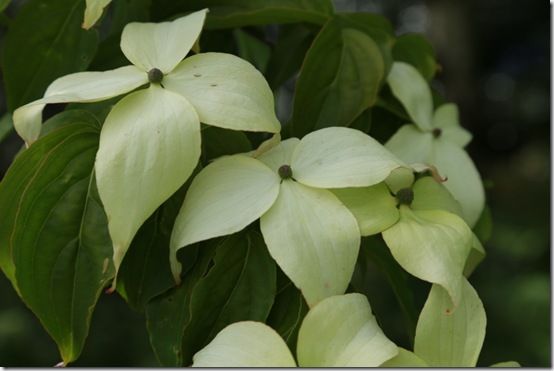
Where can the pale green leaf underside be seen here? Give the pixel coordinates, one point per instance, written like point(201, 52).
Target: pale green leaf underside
point(341, 331)
point(225, 197)
point(447, 119)
point(405, 358)
point(432, 245)
point(374, 207)
point(149, 145)
point(161, 45)
point(431, 195)
point(245, 344)
point(77, 87)
point(447, 336)
point(313, 238)
point(93, 12)
point(338, 157)
point(226, 91)
point(412, 91)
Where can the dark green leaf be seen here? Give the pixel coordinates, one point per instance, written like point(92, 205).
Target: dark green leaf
point(4, 4)
point(6, 126)
point(252, 49)
point(288, 54)
point(218, 142)
point(375, 249)
point(417, 51)
point(167, 315)
point(54, 241)
point(145, 270)
point(239, 13)
point(239, 287)
point(31, 60)
point(340, 78)
point(287, 313)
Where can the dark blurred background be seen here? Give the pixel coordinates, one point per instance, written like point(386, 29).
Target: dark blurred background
point(495, 59)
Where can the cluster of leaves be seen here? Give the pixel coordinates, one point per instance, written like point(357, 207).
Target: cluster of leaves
point(102, 191)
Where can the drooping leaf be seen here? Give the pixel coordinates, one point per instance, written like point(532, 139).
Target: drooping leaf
point(341, 157)
point(76, 87)
point(224, 198)
point(168, 314)
point(287, 313)
point(93, 12)
point(6, 126)
point(417, 51)
point(61, 47)
point(341, 331)
point(340, 78)
point(161, 45)
point(313, 238)
point(245, 344)
point(239, 287)
point(239, 13)
point(226, 91)
point(150, 144)
point(432, 245)
point(55, 246)
point(447, 336)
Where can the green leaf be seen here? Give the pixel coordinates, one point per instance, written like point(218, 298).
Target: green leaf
point(340, 77)
point(61, 47)
point(168, 314)
point(4, 4)
point(287, 313)
point(55, 244)
point(417, 51)
point(447, 336)
point(506, 364)
point(483, 227)
point(239, 13)
point(240, 286)
point(252, 49)
point(288, 53)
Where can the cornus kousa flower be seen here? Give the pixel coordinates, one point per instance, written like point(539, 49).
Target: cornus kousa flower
point(150, 141)
point(447, 337)
point(420, 225)
point(435, 138)
point(340, 331)
point(311, 235)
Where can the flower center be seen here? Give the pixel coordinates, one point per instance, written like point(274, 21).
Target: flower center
point(437, 132)
point(155, 76)
point(405, 196)
point(285, 172)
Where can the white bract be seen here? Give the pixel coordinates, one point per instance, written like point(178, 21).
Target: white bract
point(436, 139)
point(150, 141)
point(93, 12)
point(311, 235)
point(420, 225)
point(446, 337)
point(340, 331)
